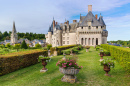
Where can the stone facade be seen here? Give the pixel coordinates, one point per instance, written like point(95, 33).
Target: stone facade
point(90, 30)
point(14, 36)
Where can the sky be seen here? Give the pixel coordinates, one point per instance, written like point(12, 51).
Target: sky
point(37, 15)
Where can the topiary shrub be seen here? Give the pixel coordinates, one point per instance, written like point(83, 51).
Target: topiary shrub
point(49, 46)
point(24, 45)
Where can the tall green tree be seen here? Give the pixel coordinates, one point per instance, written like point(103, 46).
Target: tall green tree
point(24, 45)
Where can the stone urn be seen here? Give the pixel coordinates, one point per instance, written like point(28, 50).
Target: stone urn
point(69, 74)
point(44, 63)
point(49, 53)
point(87, 49)
point(71, 52)
point(101, 54)
point(106, 69)
point(78, 48)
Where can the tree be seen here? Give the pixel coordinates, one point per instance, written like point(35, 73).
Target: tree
point(5, 34)
point(2, 46)
point(7, 38)
point(38, 45)
point(8, 45)
point(24, 45)
point(17, 46)
point(49, 46)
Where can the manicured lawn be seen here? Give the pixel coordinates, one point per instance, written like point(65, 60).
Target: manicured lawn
point(92, 74)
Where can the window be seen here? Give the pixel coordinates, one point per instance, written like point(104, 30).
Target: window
point(63, 42)
point(63, 38)
point(96, 27)
point(81, 27)
point(67, 42)
point(101, 26)
point(89, 27)
point(67, 38)
point(63, 34)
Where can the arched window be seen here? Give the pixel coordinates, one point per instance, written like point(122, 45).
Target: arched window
point(85, 41)
point(93, 41)
point(82, 41)
point(81, 27)
point(89, 27)
point(96, 27)
point(89, 41)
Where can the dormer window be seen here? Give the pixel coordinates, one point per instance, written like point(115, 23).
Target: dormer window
point(89, 27)
point(81, 27)
point(96, 27)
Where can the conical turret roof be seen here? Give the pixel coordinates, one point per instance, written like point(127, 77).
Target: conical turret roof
point(14, 29)
point(101, 21)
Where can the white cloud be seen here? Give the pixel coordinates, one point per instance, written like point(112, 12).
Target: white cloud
point(118, 27)
point(36, 16)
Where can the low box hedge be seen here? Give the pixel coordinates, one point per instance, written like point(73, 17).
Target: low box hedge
point(60, 48)
point(17, 60)
point(122, 55)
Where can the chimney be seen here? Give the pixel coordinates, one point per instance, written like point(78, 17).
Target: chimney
point(74, 21)
point(89, 8)
point(56, 23)
point(53, 24)
point(96, 16)
point(68, 23)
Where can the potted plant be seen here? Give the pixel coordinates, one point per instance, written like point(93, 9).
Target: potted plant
point(87, 48)
point(71, 52)
point(44, 63)
point(69, 67)
point(107, 63)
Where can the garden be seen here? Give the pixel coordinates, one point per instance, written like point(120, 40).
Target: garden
point(89, 70)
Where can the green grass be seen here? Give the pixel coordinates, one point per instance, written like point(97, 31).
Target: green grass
point(92, 74)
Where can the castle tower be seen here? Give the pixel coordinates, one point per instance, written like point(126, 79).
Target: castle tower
point(14, 36)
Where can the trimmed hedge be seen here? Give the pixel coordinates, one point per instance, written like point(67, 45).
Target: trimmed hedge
point(60, 48)
point(74, 50)
point(17, 60)
point(122, 55)
point(106, 52)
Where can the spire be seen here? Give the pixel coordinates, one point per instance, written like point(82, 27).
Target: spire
point(14, 29)
point(100, 14)
point(80, 16)
point(53, 18)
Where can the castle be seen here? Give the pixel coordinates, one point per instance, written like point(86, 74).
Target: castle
point(90, 30)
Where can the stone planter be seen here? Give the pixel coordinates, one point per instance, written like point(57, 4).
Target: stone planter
point(55, 53)
point(44, 63)
point(71, 52)
point(106, 69)
point(69, 74)
point(49, 53)
point(101, 54)
point(87, 50)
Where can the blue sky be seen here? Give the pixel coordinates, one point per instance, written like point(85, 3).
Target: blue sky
point(36, 15)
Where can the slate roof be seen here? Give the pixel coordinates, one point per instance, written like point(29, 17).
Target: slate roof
point(91, 18)
point(51, 28)
point(14, 29)
point(101, 21)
